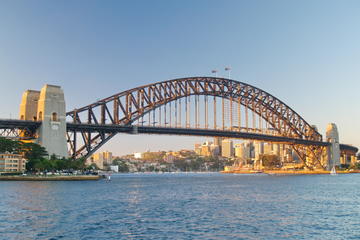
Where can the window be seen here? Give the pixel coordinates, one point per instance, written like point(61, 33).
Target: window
point(40, 116)
point(22, 117)
point(54, 117)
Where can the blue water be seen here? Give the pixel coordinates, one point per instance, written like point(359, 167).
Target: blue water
point(183, 206)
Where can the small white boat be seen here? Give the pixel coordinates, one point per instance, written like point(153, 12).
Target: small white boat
point(333, 171)
point(108, 178)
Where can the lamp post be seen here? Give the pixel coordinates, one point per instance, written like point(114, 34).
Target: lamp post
point(215, 72)
point(228, 69)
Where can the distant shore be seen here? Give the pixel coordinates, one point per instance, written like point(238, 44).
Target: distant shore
point(51, 178)
point(288, 172)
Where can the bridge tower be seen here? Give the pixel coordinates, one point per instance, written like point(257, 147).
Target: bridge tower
point(333, 151)
point(47, 106)
point(29, 105)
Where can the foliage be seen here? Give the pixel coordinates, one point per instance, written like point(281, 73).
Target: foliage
point(270, 160)
point(123, 167)
point(356, 166)
point(344, 166)
point(37, 157)
point(7, 145)
point(32, 151)
point(202, 164)
point(153, 156)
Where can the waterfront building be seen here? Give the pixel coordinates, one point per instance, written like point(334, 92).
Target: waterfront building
point(114, 168)
point(242, 151)
point(259, 150)
point(10, 162)
point(218, 142)
point(108, 157)
point(268, 148)
point(102, 158)
point(205, 149)
point(197, 148)
point(215, 150)
point(276, 149)
point(227, 148)
point(169, 157)
point(99, 162)
point(239, 150)
point(138, 155)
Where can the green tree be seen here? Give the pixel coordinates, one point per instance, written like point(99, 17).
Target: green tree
point(7, 145)
point(33, 151)
point(181, 164)
point(123, 167)
point(196, 164)
point(270, 160)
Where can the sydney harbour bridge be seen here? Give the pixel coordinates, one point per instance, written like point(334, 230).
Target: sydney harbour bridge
point(195, 106)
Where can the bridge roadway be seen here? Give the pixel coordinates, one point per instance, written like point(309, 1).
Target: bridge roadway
point(110, 128)
point(19, 124)
point(133, 129)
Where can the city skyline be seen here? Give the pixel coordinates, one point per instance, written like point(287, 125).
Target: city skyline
point(307, 61)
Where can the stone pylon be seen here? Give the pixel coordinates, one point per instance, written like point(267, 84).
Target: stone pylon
point(47, 106)
point(29, 105)
point(333, 151)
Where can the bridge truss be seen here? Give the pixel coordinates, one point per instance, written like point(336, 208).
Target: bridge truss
point(18, 129)
point(203, 103)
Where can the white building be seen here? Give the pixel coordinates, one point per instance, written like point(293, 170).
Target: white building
point(138, 155)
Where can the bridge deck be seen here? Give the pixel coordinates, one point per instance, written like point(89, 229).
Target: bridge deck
point(190, 132)
point(13, 123)
point(109, 128)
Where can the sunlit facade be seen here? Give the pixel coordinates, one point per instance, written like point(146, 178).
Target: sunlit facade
point(10, 162)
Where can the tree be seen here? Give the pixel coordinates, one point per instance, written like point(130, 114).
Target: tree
point(7, 145)
point(33, 151)
point(123, 167)
point(181, 164)
point(270, 160)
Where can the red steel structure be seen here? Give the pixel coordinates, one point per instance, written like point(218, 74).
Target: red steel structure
point(225, 104)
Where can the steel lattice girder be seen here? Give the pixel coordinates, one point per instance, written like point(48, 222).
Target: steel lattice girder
point(130, 105)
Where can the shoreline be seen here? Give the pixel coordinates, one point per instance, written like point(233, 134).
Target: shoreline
point(288, 172)
point(51, 178)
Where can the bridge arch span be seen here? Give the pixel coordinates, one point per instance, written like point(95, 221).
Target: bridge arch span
point(128, 107)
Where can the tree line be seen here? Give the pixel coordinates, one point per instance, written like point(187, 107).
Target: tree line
point(38, 158)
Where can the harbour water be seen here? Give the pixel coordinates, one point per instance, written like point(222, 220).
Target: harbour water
point(184, 206)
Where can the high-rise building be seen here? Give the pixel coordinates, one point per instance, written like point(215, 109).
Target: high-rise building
point(227, 149)
point(259, 150)
point(218, 142)
point(206, 149)
point(107, 157)
point(101, 159)
point(215, 150)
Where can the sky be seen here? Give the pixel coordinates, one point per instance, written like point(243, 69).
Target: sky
point(306, 53)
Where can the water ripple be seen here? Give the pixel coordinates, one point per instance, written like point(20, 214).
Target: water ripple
point(183, 206)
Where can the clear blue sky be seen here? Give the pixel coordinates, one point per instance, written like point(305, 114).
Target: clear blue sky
point(307, 53)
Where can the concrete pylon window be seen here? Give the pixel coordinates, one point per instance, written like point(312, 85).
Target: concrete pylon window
point(54, 117)
point(40, 116)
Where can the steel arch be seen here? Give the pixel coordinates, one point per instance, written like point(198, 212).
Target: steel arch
point(128, 106)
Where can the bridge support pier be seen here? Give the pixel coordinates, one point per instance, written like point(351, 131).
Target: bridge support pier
point(49, 107)
point(333, 151)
